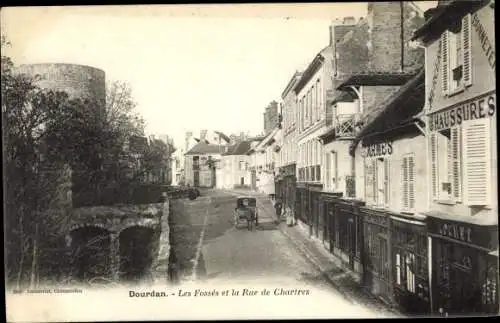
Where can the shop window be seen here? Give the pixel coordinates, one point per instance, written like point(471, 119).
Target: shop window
point(456, 56)
point(408, 183)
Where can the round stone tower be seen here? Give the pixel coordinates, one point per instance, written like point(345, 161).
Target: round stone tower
point(79, 81)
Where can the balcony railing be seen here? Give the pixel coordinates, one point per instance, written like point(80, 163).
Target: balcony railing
point(344, 125)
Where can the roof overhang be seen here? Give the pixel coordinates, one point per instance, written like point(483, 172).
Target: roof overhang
point(376, 79)
point(445, 15)
point(411, 97)
point(313, 67)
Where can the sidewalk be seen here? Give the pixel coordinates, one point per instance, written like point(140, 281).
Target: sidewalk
point(331, 268)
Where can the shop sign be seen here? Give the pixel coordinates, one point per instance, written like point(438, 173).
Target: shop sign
point(377, 150)
point(478, 108)
point(456, 231)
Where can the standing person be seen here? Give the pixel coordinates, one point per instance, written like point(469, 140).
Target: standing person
point(279, 207)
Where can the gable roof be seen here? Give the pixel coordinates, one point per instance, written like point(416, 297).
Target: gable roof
point(240, 148)
point(402, 106)
point(203, 148)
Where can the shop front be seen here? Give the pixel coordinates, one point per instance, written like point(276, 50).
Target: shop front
point(465, 268)
point(328, 202)
point(301, 203)
point(410, 264)
point(348, 244)
point(376, 253)
point(289, 186)
point(316, 221)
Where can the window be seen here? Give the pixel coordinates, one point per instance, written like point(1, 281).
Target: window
point(243, 165)
point(370, 181)
point(408, 183)
point(377, 177)
point(456, 56)
point(405, 271)
point(313, 103)
point(446, 172)
point(319, 102)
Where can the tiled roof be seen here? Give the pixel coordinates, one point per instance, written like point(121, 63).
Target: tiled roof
point(401, 106)
point(202, 148)
point(314, 65)
point(240, 148)
point(353, 54)
point(445, 13)
point(223, 136)
point(371, 78)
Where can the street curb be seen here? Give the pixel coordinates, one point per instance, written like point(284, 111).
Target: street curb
point(304, 251)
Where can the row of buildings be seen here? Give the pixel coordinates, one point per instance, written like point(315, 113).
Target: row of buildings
point(384, 147)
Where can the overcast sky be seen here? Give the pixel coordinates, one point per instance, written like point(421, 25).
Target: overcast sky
point(190, 67)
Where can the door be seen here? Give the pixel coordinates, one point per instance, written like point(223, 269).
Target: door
point(242, 181)
point(196, 179)
point(351, 240)
point(331, 223)
point(326, 226)
point(254, 179)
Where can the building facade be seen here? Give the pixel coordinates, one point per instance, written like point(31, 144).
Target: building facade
point(201, 162)
point(311, 93)
point(286, 175)
point(461, 156)
point(264, 156)
point(234, 170)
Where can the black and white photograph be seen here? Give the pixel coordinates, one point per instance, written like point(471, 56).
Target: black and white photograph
point(250, 161)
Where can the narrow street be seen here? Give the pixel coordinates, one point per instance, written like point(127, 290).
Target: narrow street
point(208, 248)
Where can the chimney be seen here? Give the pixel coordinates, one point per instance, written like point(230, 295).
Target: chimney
point(203, 135)
point(386, 28)
point(189, 134)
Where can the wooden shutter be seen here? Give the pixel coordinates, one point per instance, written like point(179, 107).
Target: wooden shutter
point(477, 161)
point(411, 182)
point(434, 165)
point(404, 183)
point(387, 192)
point(466, 49)
point(444, 62)
point(456, 156)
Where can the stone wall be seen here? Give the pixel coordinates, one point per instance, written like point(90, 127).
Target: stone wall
point(161, 264)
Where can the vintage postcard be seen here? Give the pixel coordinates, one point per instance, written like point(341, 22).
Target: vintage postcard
point(250, 161)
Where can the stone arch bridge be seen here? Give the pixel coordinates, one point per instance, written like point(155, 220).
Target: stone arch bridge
point(113, 241)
